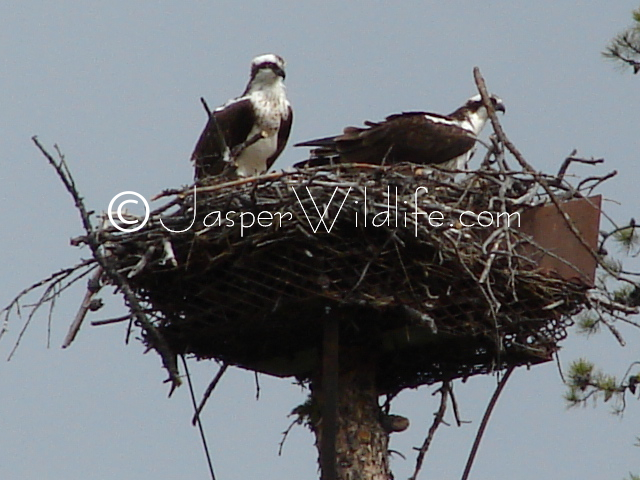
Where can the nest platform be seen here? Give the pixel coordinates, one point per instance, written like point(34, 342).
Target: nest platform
point(429, 301)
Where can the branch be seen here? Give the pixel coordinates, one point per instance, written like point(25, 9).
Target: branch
point(572, 158)
point(208, 392)
point(156, 339)
point(285, 434)
point(51, 291)
point(110, 321)
point(485, 421)
point(216, 130)
point(200, 428)
point(444, 390)
point(482, 88)
point(92, 289)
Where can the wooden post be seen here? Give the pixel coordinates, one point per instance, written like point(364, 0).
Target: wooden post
point(330, 379)
point(351, 440)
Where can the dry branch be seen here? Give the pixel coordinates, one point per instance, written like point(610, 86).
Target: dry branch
point(155, 340)
point(92, 290)
point(208, 392)
point(437, 420)
point(484, 422)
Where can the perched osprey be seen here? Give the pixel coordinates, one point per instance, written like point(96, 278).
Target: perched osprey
point(255, 126)
point(416, 137)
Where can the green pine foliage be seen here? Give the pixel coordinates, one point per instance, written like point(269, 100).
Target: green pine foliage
point(624, 48)
point(627, 238)
point(585, 382)
point(587, 324)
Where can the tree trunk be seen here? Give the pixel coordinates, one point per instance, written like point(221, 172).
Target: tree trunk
point(361, 442)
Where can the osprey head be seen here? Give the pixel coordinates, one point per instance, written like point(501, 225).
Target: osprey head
point(475, 103)
point(474, 114)
point(267, 67)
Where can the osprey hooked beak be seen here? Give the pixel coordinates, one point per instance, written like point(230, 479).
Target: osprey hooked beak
point(498, 106)
point(278, 70)
point(268, 61)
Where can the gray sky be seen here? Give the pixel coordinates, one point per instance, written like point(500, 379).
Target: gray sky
point(116, 84)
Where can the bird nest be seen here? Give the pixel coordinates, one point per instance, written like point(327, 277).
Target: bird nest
point(247, 271)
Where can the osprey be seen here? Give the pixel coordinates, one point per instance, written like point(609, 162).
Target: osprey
point(246, 135)
point(417, 137)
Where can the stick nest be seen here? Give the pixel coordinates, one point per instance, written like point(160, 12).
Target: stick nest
point(433, 302)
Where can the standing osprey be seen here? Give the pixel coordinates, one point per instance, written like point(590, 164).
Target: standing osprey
point(248, 133)
point(416, 137)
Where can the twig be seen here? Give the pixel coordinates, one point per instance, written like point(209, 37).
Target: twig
point(444, 390)
point(34, 308)
point(572, 158)
point(285, 434)
point(454, 404)
point(485, 421)
point(217, 131)
point(200, 428)
point(97, 323)
point(208, 392)
point(142, 262)
point(52, 305)
point(496, 124)
point(53, 279)
point(597, 181)
point(614, 331)
point(92, 289)
point(206, 106)
point(169, 255)
point(257, 380)
point(611, 305)
point(559, 366)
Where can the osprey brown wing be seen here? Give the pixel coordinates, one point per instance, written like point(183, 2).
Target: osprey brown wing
point(235, 122)
point(283, 136)
point(415, 137)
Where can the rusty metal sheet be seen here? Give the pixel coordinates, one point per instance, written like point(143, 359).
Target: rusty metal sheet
point(549, 229)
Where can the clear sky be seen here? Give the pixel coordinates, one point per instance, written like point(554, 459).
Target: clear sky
point(117, 84)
